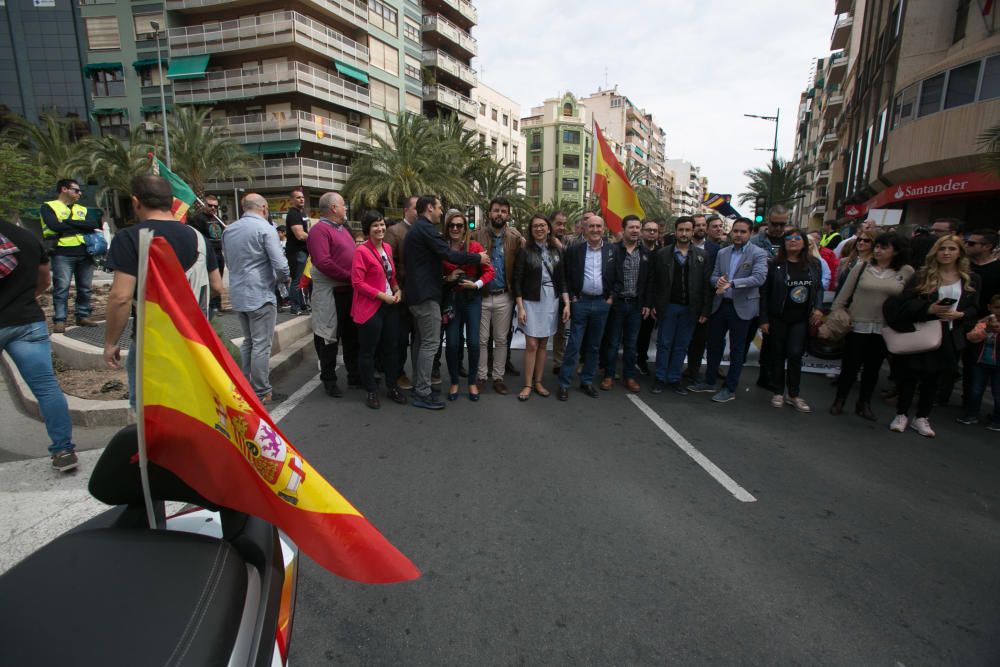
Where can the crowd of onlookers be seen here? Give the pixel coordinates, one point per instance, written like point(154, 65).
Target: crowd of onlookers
point(437, 283)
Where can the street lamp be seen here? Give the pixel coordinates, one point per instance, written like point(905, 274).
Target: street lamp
point(163, 97)
point(774, 151)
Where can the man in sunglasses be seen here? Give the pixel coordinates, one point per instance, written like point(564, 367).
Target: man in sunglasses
point(64, 223)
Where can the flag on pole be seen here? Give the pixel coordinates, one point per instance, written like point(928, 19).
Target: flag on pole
point(721, 203)
point(201, 420)
point(612, 187)
point(184, 196)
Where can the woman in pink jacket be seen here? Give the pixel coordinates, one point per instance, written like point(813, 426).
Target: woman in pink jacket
point(376, 294)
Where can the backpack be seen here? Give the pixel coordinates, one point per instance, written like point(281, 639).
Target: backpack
point(197, 276)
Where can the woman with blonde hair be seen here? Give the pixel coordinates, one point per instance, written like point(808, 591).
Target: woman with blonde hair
point(946, 291)
point(857, 250)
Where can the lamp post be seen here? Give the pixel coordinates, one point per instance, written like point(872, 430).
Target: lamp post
point(774, 151)
point(163, 97)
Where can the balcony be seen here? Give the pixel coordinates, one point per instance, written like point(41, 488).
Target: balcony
point(822, 176)
point(834, 104)
point(461, 11)
point(439, 31)
point(451, 99)
point(841, 32)
point(446, 63)
point(829, 141)
point(353, 12)
point(836, 68)
point(254, 32)
point(274, 79)
point(289, 173)
point(298, 125)
point(843, 6)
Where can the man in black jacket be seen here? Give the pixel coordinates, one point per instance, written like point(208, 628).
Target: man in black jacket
point(423, 250)
point(590, 275)
point(631, 275)
point(680, 296)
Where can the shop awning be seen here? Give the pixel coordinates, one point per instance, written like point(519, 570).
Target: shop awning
point(90, 68)
point(148, 62)
point(188, 67)
point(352, 72)
point(274, 147)
point(109, 112)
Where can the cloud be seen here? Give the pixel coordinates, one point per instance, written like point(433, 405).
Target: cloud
point(697, 66)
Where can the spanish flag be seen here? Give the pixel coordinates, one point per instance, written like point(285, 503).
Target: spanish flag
point(184, 196)
point(612, 187)
point(200, 419)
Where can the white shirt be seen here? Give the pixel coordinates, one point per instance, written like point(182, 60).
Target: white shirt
point(593, 284)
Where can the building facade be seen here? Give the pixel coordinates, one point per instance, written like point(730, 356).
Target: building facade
point(689, 188)
point(448, 50)
point(559, 142)
point(498, 122)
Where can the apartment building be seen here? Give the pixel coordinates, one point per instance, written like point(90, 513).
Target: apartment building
point(448, 50)
point(559, 142)
point(922, 83)
point(498, 122)
point(689, 187)
point(634, 136)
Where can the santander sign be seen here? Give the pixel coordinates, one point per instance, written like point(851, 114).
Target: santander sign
point(942, 186)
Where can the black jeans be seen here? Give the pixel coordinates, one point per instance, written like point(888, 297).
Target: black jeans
point(787, 342)
point(645, 335)
point(379, 334)
point(696, 350)
point(907, 382)
point(861, 351)
point(347, 333)
point(403, 340)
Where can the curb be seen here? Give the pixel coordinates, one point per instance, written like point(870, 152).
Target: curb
point(88, 412)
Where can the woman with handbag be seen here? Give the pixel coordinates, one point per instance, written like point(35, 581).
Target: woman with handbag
point(791, 298)
point(373, 309)
point(857, 250)
point(539, 290)
point(466, 303)
point(866, 289)
point(926, 327)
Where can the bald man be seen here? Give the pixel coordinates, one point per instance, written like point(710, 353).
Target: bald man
point(257, 265)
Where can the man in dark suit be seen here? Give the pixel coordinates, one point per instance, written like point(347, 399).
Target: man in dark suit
point(631, 276)
point(703, 238)
point(590, 276)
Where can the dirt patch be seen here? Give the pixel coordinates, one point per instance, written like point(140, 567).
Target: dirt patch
point(108, 384)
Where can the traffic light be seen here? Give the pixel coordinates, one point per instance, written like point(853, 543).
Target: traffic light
point(470, 217)
point(759, 209)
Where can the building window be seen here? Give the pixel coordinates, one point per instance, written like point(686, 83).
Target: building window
point(113, 125)
point(570, 161)
point(143, 29)
point(108, 83)
point(506, 150)
point(102, 33)
point(514, 124)
point(383, 16)
point(516, 154)
point(571, 185)
point(534, 188)
point(411, 30)
point(482, 108)
point(383, 56)
point(961, 20)
point(493, 146)
point(536, 140)
point(883, 117)
point(384, 96)
point(482, 139)
point(506, 119)
point(962, 82)
point(616, 102)
point(930, 95)
point(535, 166)
point(493, 114)
point(150, 76)
point(571, 136)
point(904, 106)
point(413, 103)
point(412, 67)
point(991, 79)
point(568, 109)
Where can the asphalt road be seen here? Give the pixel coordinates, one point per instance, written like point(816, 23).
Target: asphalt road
point(579, 533)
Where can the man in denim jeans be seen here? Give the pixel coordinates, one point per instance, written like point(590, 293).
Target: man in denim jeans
point(25, 336)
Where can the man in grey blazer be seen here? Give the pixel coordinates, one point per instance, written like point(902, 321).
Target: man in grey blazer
point(740, 270)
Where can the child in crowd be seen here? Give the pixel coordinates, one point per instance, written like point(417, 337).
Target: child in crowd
point(984, 337)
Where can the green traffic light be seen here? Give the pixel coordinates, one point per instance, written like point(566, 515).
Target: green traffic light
point(758, 218)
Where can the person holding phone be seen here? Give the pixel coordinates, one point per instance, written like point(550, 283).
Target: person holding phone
point(944, 290)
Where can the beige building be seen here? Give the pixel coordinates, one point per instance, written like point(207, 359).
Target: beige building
point(922, 82)
point(498, 122)
point(559, 142)
point(689, 188)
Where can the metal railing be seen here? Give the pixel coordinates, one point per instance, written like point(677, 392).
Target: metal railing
point(291, 125)
point(450, 98)
point(256, 31)
point(353, 11)
point(465, 8)
point(440, 59)
point(290, 172)
point(439, 24)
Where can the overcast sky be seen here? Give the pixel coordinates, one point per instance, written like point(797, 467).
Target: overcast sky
point(696, 65)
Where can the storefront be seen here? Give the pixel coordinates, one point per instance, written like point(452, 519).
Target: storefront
point(973, 197)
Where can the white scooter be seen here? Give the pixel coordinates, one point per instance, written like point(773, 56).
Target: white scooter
point(213, 587)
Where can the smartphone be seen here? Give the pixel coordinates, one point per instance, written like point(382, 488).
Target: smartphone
point(947, 302)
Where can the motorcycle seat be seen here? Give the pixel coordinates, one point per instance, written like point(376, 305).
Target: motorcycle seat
point(124, 597)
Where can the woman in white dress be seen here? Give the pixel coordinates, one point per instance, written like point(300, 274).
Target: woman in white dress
point(539, 289)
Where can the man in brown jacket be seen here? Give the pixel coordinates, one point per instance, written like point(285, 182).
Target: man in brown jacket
point(502, 243)
point(394, 236)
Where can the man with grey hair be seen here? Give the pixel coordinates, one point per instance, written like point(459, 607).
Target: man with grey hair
point(257, 265)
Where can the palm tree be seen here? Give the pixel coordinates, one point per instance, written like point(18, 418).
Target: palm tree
point(53, 144)
point(989, 141)
point(788, 184)
point(200, 152)
point(496, 179)
point(113, 163)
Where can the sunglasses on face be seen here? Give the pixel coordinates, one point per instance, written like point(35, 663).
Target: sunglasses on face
point(864, 240)
point(457, 225)
point(793, 237)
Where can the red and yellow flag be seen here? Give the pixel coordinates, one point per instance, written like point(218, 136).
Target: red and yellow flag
point(611, 185)
point(203, 422)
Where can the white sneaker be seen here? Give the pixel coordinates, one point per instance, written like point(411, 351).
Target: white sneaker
point(798, 404)
point(899, 423)
point(922, 426)
point(777, 400)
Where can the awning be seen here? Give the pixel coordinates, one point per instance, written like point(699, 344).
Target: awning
point(353, 72)
point(274, 147)
point(148, 62)
point(188, 67)
point(109, 112)
point(154, 108)
point(90, 68)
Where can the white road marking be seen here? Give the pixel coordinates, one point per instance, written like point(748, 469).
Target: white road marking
point(293, 401)
point(717, 474)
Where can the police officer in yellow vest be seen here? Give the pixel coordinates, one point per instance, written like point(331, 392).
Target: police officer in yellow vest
point(64, 222)
point(831, 237)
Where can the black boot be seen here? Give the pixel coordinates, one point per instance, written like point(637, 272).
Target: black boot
point(864, 409)
point(838, 407)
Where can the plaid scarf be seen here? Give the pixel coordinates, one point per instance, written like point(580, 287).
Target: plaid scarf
point(8, 259)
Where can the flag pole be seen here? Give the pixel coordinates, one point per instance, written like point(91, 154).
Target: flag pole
point(145, 238)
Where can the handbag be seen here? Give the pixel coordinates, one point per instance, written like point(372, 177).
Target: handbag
point(926, 338)
point(838, 323)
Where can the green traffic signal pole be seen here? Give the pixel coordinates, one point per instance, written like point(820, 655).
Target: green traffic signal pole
point(774, 151)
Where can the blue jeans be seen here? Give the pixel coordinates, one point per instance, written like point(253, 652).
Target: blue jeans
point(589, 315)
point(726, 320)
point(28, 345)
point(130, 365)
point(297, 264)
point(467, 318)
point(676, 327)
point(981, 374)
point(624, 322)
point(64, 269)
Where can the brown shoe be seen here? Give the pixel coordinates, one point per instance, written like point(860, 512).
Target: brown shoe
point(86, 322)
point(499, 387)
point(59, 327)
point(404, 382)
point(481, 384)
point(632, 386)
point(607, 383)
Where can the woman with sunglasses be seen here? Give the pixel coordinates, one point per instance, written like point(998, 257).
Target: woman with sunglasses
point(539, 288)
point(466, 283)
point(791, 299)
point(866, 288)
point(858, 250)
point(373, 309)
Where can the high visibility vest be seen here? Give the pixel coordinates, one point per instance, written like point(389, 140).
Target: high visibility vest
point(827, 238)
point(63, 213)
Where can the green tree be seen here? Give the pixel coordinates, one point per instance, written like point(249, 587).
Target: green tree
point(20, 180)
point(989, 143)
point(788, 183)
point(496, 179)
point(112, 163)
point(53, 144)
point(201, 152)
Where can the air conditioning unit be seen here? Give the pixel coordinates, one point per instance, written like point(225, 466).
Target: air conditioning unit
point(149, 126)
point(354, 118)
